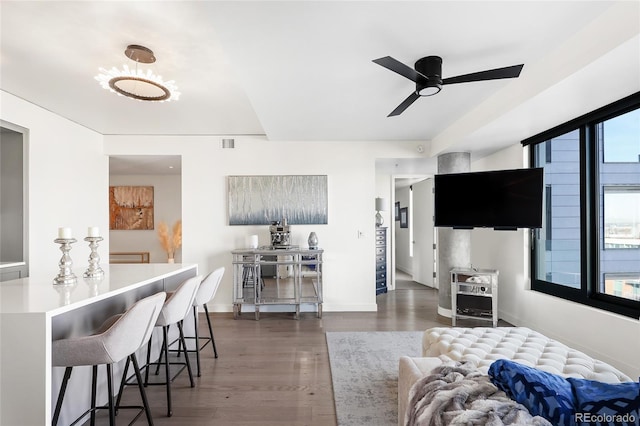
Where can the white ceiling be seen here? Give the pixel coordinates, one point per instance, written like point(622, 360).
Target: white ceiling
point(302, 70)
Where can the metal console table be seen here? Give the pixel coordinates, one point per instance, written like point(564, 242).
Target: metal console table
point(474, 295)
point(297, 280)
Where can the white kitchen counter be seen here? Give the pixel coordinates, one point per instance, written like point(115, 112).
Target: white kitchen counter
point(34, 311)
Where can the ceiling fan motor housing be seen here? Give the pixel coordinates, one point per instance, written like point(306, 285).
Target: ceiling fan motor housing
point(430, 67)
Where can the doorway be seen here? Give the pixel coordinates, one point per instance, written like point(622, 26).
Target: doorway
point(14, 250)
point(163, 175)
point(413, 238)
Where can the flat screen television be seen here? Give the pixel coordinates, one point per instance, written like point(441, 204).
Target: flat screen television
point(504, 199)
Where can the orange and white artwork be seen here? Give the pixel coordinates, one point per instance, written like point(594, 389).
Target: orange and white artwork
point(130, 207)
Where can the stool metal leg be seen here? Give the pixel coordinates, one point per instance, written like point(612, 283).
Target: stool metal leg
point(112, 414)
point(165, 333)
point(133, 360)
point(186, 358)
point(63, 389)
point(122, 383)
point(143, 394)
point(94, 381)
point(162, 351)
point(213, 341)
point(146, 370)
point(197, 339)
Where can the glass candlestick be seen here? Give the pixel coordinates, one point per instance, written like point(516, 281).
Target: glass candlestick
point(65, 290)
point(94, 270)
point(93, 284)
point(66, 275)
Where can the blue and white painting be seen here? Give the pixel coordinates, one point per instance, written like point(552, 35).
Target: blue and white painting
point(260, 200)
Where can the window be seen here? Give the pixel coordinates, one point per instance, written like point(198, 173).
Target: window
point(621, 217)
point(558, 242)
point(588, 249)
point(617, 146)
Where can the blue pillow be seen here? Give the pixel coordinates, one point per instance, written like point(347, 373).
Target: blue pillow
point(543, 394)
point(600, 403)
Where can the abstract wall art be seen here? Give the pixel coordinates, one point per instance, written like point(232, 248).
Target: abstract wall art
point(260, 200)
point(130, 207)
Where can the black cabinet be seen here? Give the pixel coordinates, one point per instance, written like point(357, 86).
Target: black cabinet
point(381, 260)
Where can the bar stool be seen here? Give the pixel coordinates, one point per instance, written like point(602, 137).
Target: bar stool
point(117, 338)
point(205, 294)
point(174, 311)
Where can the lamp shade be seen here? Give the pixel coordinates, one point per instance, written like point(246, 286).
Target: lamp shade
point(382, 204)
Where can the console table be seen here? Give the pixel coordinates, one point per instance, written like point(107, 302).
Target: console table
point(302, 285)
point(129, 257)
point(474, 294)
point(34, 312)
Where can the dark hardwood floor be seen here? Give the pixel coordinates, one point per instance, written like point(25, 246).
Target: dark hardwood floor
point(275, 371)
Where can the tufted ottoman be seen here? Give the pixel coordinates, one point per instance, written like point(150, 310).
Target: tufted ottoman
point(483, 345)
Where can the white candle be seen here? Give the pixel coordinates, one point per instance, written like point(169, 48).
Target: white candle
point(64, 233)
point(93, 231)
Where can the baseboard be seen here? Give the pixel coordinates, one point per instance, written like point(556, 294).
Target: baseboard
point(405, 270)
point(326, 307)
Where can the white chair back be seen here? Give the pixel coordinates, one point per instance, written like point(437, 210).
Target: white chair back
point(119, 336)
point(208, 287)
point(180, 302)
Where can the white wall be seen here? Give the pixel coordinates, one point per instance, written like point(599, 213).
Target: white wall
point(167, 207)
point(349, 280)
point(68, 183)
point(610, 337)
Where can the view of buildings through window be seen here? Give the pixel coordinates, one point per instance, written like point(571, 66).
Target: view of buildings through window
point(619, 181)
point(558, 242)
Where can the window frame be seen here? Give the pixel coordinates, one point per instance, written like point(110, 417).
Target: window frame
point(588, 293)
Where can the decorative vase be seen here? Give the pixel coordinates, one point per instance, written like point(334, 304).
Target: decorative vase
point(313, 241)
point(171, 260)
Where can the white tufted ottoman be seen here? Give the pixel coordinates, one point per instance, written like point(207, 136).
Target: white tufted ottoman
point(483, 345)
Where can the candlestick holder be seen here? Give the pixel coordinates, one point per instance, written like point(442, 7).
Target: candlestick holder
point(94, 270)
point(66, 275)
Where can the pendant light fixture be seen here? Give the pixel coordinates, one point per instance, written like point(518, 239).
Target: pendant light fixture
point(136, 83)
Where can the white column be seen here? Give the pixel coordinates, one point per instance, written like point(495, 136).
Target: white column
point(454, 245)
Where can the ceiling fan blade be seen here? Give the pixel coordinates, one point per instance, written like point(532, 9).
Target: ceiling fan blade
point(404, 105)
point(396, 66)
point(495, 74)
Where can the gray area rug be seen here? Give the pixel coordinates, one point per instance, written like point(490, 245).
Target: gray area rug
point(364, 372)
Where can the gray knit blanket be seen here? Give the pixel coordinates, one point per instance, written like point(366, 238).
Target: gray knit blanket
point(455, 394)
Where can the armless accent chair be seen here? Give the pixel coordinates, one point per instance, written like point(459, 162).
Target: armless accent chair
point(205, 294)
point(174, 311)
point(117, 338)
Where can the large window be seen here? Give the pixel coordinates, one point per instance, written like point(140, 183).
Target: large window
point(588, 249)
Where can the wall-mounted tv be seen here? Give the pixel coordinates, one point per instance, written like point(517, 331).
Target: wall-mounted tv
point(504, 199)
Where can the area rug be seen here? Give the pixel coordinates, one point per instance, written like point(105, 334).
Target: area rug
point(364, 373)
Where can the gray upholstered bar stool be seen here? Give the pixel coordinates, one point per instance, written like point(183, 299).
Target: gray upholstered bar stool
point(174, 311)
point(205, 294)
point(117, 338)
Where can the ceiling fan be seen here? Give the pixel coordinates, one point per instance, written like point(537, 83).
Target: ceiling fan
point(427, 74)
